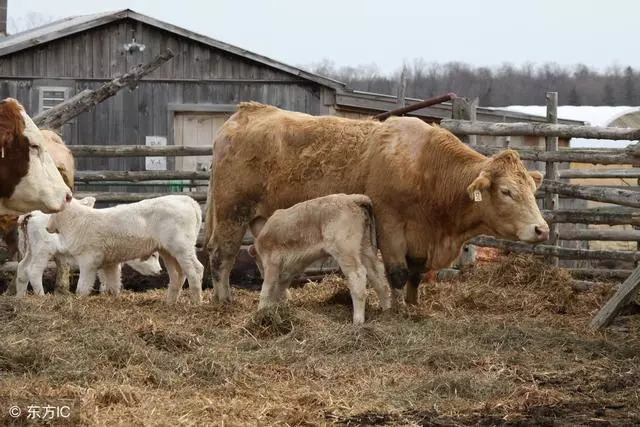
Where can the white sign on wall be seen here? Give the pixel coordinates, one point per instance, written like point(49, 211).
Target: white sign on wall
point(156, 163)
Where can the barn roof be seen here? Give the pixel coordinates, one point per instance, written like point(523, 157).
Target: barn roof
point(76, 24)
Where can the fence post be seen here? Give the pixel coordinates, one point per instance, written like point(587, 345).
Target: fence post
point(402, 88)
point(462, 109)
point(551, 170)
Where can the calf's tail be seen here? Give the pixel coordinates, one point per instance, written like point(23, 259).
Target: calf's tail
point(367, 206)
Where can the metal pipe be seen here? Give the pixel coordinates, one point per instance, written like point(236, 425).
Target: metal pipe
point(422, 104)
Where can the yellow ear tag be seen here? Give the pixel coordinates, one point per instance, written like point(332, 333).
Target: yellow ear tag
point(477, 196)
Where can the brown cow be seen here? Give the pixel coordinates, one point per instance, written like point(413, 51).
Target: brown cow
point(430, 192)
point(63, 159)
point(29, 179)
point(339, 225)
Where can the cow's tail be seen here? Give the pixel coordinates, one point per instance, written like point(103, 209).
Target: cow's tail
point(370, 220)
point(209, 210)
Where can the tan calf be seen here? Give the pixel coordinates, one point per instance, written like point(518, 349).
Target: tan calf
point(339, 225)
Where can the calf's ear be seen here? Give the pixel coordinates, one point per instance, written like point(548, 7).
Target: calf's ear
point(537, 178)
point(478, 186)
point(88, 201)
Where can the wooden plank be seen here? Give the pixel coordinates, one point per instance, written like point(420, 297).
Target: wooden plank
point(595, 193)
point(603, 157)
point(627, 291)
point(113, 197)
point(600, 173)
point(601, 234)
point(600, 274)
point(551, 171)
point(138, 150)
point(564, 253)
point(592, 216)
point(464, 127)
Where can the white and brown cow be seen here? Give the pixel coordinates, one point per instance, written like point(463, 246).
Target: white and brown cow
point(29, 179)
point(430, 192)
point(338, 225)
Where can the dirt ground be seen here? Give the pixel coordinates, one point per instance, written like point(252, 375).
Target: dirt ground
point(506, 344)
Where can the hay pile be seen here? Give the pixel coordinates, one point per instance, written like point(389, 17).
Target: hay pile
point(134, 361)
point(520, 284)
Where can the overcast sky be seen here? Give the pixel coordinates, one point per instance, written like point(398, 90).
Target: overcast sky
point(385, 32)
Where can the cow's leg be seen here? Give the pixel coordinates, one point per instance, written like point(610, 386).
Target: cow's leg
point(393, 247)
point(87, 278)
point(63, 271)
point(111, 274)
point(416, 269)
point(223, 248)
point(193, 268)
point(176, 277)
point(375, 276)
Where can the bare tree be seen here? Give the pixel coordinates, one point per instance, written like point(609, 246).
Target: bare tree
point(28, 21)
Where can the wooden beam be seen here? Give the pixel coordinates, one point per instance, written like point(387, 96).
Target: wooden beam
point(463, 127)
point(596, 193)
point(592, 216)
point(138, 150)
point(564, 253)
point(137, 176)
point(627, 291)
point(551, 171)
point(601, 274)
point(601, 234)
point(200, 196)
point(603, 157)
point(62, 113)
point(600, 173)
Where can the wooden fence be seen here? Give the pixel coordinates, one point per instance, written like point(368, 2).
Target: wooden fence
point(625, 199)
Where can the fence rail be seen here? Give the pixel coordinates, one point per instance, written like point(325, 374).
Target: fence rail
point(465, 127)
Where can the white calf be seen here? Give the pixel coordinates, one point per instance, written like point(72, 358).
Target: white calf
point(38, 247)
point(339, 225)
point(103, 238)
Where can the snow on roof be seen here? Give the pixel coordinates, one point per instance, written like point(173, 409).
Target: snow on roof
point(594, 116)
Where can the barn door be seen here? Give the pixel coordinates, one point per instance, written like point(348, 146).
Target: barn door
point(196, 129)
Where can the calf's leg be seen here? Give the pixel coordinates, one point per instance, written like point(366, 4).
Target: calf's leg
point(375, 276)
point(87, 278)
point(112, 278)
point(193, 268)
point(356, 275)
point(63, 271)
point(176, 277)
point(270, 286)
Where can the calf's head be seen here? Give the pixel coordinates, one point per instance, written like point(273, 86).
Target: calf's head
point(58, 220)
point(504, 192)
point(29, 179)
point(147, 267)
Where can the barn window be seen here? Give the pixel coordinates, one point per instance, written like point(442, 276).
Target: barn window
point(51, 96)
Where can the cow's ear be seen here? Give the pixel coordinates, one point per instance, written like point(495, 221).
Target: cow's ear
point(537, 178)
point(478, 186)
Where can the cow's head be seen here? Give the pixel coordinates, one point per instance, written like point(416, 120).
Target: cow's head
point(29, 179)
point(505, 192)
